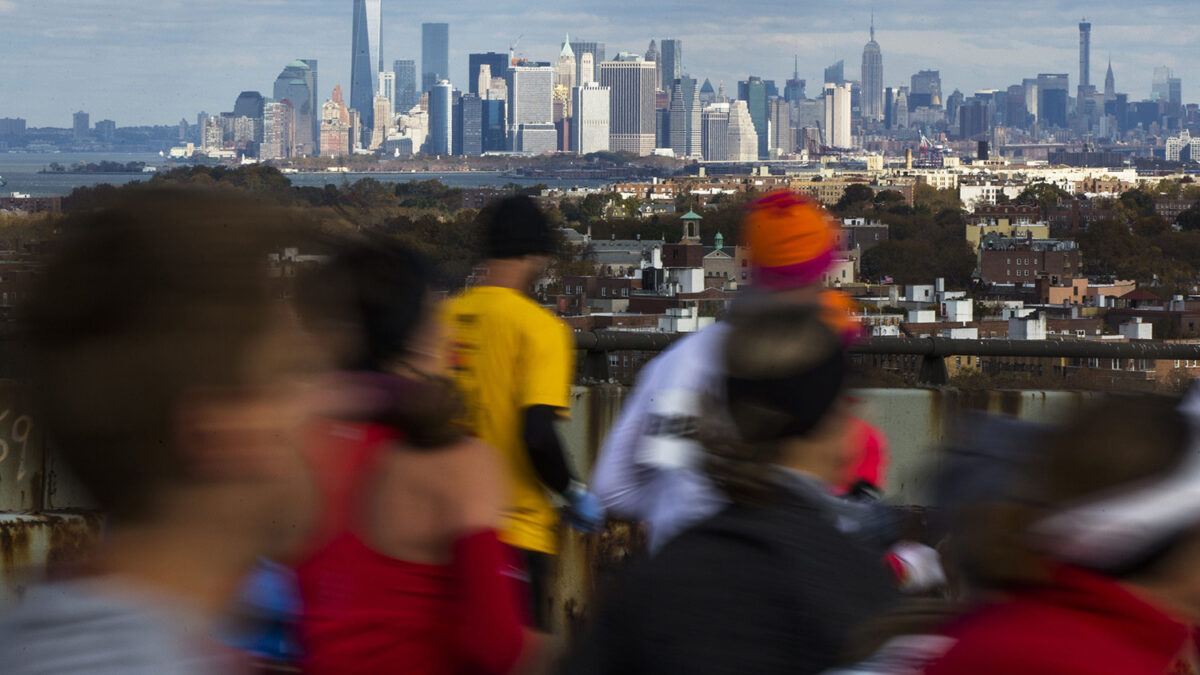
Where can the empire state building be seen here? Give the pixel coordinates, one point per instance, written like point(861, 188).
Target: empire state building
point(872, 79)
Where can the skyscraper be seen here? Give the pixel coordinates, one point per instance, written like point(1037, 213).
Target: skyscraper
point(872, 78)
point(836, 74)
point(926, 90)
point(531, 109)
point(652, 54)
point(714, 132)
point(1159, 87)
point(1110, 84)
point(497, 64)
point(336, 126)
point(754, 93)
point(837, 115)
point(383, 120)
point(366, 58)
point(685, 118)
point(591, 128)
point(387, 89)
point(741, 143)
point(297, 85)
point(406, 84)
point(672, 62)
point(566, 68)
point(596, 49)
point(586, 68)
point(631, 104)
point(468, 125)
point(1174, 96)
point(435, 54)
point(82, 125)
point(441, 118)
point(1052, 99)
point(779, 123)
point(1015, 114)
point(1085, 64)
point(794, 89)
point(278, 140)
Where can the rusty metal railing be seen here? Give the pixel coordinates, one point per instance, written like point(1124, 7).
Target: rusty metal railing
point(933, 350)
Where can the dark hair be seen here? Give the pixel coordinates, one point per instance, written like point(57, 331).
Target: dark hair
point(376, 286)
point(515, 227)
point(155, 296)
point(784, 370)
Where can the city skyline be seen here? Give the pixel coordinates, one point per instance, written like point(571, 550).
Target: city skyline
point(179, 58)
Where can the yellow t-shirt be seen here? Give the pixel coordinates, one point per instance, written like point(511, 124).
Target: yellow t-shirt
point(506, 354)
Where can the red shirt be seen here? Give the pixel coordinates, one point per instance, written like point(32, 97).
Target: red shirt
point(366, 612)
point(1084, 624)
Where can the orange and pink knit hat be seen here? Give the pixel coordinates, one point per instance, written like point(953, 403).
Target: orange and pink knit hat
point(791, 240)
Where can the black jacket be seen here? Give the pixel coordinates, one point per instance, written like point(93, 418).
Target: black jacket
point(751, 590)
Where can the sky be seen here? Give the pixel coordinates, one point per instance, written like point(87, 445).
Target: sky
point(156, 61)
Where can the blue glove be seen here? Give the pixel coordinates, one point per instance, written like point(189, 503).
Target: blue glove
point(583, 511)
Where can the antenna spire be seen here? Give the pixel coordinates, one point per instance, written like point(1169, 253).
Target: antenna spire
point(872, 25)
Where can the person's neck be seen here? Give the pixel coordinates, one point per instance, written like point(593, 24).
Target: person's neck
point(507, 273)
point(197, 567)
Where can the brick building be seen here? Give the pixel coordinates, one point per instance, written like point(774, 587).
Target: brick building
point(1021, 261)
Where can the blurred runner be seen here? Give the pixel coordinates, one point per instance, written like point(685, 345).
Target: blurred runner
point(407, 573)
point(772, 583)
point(649, 467)
point(171, 382)
point(514, 363)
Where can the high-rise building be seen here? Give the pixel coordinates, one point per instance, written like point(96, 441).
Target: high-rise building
point(468, 125)
point(105, 130)
point(82, 125)
point(366, 58)
point(531, 109)
point(406, 84)
point(793, 90)
point(779, 122)
point(435, 54)
point(836, 73)
point(495, 126)
point(652, 54)
point(296, 85)
point(278, 131)
point(596, 49)
point(1159, 87)
point(591, 127)
point(212, 134)
point(1085, 58)
point(1110, 84)
point(497, 63)
point(631, 103)
point(1030, 84)
point(837, 115)
point(441, 119)
point(672, 63)
point(383, 122)
point(926, 90)
point(1015, 114)
point(684, 111)
point(387, 89)
point(1052, 99)
point(973, 120)
point(586, 68)
point(249, 104)
point(337, 126)
point(741, 138)
point(872, 79)
point(566, 68)
point(714, 132)
point(1174, 96)
point(708, 95)
point(754, 93)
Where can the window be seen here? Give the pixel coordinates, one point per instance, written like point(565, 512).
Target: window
point(579, 290)
point(624, 292)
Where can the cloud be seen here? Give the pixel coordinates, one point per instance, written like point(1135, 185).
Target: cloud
point(140, 62)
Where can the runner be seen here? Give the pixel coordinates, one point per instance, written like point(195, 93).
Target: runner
point(514, 363)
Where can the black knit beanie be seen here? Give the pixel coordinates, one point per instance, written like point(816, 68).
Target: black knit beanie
point(516, 227)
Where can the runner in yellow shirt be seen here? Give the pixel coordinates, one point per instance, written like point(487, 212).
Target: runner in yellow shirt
point(514, 363)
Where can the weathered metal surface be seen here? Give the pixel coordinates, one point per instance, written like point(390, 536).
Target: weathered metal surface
point(932, 346)
point(22, 452)
point(34, 545)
